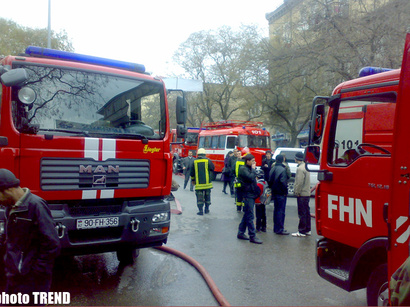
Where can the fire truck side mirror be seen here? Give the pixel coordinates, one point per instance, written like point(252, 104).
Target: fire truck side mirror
point(317, 124)
point(181, 111)
point(181, 131)
point(14, 77)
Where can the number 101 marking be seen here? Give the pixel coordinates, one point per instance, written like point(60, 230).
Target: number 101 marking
point(349, 144)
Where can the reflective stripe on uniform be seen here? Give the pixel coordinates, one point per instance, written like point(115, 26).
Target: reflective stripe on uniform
point(202, 180)
point(238, 164)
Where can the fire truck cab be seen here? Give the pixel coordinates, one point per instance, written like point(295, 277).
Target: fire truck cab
point(360, 135)
point(218, 138)
point(90, 136)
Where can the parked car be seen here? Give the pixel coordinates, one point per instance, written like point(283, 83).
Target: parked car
point(289, 154)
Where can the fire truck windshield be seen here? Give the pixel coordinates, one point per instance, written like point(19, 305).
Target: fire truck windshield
point(81, 102)
point(254, 141)
point(191, 138)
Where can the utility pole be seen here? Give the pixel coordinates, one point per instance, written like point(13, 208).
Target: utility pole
point(49, 25)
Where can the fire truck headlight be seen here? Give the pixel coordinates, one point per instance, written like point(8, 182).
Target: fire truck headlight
point(160, 217)
point(27, 95)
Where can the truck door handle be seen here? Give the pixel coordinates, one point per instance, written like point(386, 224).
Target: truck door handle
point(386, 212)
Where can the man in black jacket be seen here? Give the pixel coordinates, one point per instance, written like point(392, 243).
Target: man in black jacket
point(31, 242)
point(267, 163)
point(278, 182)
point(251, 191)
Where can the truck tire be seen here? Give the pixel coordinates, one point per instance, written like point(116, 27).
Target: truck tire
point(377, 287)
point(127, 255)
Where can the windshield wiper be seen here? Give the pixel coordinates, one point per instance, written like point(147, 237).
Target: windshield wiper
point(125, 136)
point(80, 132)
point(112, 135)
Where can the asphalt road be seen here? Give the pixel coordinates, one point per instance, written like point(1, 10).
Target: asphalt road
point(280, 272)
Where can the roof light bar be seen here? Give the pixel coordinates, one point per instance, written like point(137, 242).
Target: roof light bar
point(368, 71)
point(65, 55)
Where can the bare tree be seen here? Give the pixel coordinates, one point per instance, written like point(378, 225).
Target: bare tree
point(220, 59)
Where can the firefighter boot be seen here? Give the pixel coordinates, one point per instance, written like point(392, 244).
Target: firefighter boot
point(207, 208)
point(201, 209)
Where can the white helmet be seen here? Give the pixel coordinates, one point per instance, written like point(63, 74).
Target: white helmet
point(201, 151)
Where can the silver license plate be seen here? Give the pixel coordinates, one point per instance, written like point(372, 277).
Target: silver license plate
point(101, 222)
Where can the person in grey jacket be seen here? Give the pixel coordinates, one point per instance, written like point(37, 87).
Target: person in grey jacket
point(32, 243)
point(188, 164)
point(302, 192)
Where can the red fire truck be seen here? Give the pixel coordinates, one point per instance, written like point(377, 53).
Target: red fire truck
point(91, 136)
point(181, 146)
point(362, 201)
point(218, 138)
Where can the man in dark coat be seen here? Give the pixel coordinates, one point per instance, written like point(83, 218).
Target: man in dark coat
point(278, 182)
point(251, 191)
point(232, 164)
point(226, 174)
point(267, 163)
point(188, 164)
point(32, 243)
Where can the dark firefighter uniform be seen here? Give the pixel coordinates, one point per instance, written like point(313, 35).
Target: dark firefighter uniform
point(201, 178)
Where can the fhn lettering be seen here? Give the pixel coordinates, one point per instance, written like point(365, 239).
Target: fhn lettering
point(353, 208)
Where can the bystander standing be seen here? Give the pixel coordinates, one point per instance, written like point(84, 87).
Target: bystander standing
point(278, 182)
point(260, 208)
point(31, 243)
point(188, 163)
point(302, 192)
point(226, 174)
point(251, 191)
point(267, 162)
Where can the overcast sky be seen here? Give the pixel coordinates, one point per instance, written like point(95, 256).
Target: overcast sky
point(140, 31)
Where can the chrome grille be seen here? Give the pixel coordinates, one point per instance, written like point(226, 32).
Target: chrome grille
point(88, 174)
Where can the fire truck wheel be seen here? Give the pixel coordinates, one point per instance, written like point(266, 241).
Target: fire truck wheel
point(127, 255)
point(377, 287)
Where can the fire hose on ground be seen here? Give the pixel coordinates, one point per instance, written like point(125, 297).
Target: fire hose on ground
point(211, 284)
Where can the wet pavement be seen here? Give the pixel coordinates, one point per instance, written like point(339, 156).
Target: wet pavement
point(280, 272)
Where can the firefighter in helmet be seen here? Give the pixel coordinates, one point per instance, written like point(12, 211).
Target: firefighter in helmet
point(201, 178)
point(238, 186)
